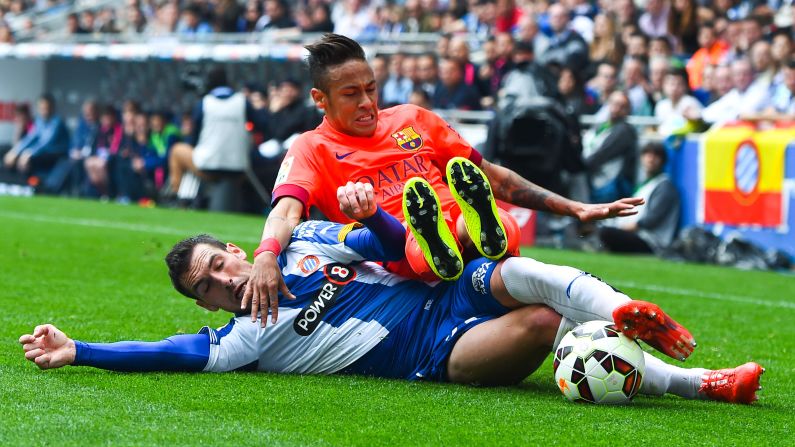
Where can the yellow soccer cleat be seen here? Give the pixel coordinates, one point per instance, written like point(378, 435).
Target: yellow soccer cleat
point(472, 191)
point(423, 213)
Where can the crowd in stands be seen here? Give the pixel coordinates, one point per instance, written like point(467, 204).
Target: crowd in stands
point(133, 154)
point(690, 64)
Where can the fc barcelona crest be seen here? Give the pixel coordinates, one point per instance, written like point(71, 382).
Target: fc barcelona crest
point(408, 139)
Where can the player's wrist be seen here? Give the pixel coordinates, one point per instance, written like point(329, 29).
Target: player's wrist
point(268, 245)
point(75, 350)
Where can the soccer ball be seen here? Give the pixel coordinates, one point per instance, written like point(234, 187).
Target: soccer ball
point(598, 364)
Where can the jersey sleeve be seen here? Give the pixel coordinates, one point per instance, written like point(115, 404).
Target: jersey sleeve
point(177, 353)
point(383, 239)
point(298, 173)
point(233, 347)
point(447, 142)
point(380, 237)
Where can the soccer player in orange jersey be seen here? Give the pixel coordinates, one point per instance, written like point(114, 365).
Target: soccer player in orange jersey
point(377, 152)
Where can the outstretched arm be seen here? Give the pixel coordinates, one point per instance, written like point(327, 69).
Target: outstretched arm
point(512, 188)
point(50, 348)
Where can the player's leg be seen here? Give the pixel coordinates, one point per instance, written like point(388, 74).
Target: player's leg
point(736, 385)
point(180, 161)
point(505, 350)
point(513, 233)
point(472, 191)
point(583, 297)
point(423, 214)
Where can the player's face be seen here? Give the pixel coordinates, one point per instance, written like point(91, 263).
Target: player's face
point(351, 99)
point(217, 277)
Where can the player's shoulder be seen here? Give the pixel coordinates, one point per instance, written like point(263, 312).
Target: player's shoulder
point(406, 111)
point(322, 232)
point(217, 334)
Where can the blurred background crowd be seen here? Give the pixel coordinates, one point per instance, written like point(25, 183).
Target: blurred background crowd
point(580, 96)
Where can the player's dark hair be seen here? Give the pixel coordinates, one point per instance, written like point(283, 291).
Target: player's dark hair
point(178, 259)
point(330, 51)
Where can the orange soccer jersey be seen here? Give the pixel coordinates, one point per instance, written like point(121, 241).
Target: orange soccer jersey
point(408, 142)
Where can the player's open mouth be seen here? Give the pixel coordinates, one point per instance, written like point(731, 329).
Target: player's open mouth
point(366, 119)
point(240, 289)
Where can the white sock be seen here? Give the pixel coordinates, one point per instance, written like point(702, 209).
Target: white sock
point(565, 326)
point(662, 378)
point(572, 293)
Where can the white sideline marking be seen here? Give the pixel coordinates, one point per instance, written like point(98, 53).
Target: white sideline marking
point(708, 295)
point(174, 232)
point(95, 223)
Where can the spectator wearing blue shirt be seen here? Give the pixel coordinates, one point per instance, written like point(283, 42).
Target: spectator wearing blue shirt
point(452, 92)
point(398, 86)
point(40, 149)
point(191, 22)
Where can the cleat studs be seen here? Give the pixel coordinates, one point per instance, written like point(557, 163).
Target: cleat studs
point(763, 370)
point(487, 249)
point(636, 311)
point(503, 244)
point(626, 328)
point(413, 220)
point(693, 343)
point(450, 252)
point(458, 264)
point(759, 388)
point(653, 315)
point(434, 218)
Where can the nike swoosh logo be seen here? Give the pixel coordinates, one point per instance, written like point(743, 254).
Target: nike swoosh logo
point(340, 157)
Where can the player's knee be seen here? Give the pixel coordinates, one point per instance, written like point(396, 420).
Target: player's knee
point(541, 323)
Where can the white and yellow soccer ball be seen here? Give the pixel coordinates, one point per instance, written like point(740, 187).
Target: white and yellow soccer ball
point(596, 363)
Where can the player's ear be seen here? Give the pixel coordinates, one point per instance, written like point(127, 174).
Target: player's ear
point(319, 98)
point(235, 250)
point(209, 307)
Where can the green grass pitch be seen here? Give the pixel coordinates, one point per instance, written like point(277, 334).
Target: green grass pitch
point(96, 271)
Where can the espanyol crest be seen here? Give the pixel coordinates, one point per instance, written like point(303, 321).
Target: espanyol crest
point(408, 139)
point(746, 168)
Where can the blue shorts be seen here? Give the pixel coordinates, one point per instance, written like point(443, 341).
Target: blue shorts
point(418, 348)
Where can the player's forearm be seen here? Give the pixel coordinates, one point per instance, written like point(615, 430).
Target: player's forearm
point(178, 353)
point(512, 188)
point(389, 234)
point(282, 220)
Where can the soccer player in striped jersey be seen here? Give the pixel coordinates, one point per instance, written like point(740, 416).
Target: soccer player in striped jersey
point(494, 325)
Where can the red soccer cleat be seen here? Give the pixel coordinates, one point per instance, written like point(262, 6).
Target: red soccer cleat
point(736, 385)
point(646, 321)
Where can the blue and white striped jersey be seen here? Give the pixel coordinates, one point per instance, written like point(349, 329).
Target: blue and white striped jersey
point(344, 307)
point(349, 316)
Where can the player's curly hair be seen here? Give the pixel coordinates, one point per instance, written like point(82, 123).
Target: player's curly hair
point(331, 50)
point(178, 259)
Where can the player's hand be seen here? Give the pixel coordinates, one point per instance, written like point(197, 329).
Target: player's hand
point(262, 288)
point(357, 200)
point(620, 208)
point(48, 347)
